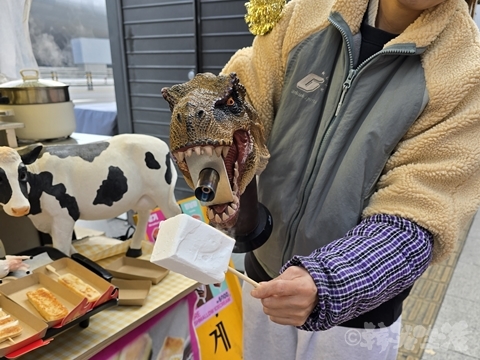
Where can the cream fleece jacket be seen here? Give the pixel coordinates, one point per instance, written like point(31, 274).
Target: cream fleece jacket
point(433, 176)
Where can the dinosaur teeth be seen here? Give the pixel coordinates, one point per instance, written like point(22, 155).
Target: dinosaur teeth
point(218, 219)
point(225, 151)
point(210, 214)
point(230, 210)
point(188, 153)
point(225, 217)
point(218, 151)
point(208, 150)
point(179, 155)
point(235, 171)
point(233, 206)
point(197, 150)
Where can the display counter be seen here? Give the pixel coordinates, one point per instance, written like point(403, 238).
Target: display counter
point(109, 325)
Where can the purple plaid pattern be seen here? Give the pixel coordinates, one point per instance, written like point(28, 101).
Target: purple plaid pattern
point(375, 261)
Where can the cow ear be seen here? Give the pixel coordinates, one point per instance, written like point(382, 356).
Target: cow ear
point(32, 155)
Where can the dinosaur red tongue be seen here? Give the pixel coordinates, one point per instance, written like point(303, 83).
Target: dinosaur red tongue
point(229, 161)
point(242, 143)
point(219, 208)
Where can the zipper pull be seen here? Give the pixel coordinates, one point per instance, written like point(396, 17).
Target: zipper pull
point(346, 86)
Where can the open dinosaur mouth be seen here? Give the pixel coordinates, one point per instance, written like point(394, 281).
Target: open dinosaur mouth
point(234, 155)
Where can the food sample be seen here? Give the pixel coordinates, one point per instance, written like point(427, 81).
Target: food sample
point(79, 286)
point(139, 349)
point(192, 248)
point(172, 349)
point(9, 326)
point(47, 304)
point(10, 330)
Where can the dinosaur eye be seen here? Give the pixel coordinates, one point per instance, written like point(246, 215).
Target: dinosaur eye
point(230, 101)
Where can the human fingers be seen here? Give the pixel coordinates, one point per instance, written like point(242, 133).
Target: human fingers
point(283, 313)
point(287, 320)
point(290, 298)
point(24, 267)
point(293, 281)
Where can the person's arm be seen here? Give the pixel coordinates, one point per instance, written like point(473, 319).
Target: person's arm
point(372, 263)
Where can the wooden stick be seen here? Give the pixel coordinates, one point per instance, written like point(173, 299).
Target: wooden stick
point(10, 339)
point(52, 269)
point(243, 277)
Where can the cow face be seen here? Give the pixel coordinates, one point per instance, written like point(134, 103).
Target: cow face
point(14, 180)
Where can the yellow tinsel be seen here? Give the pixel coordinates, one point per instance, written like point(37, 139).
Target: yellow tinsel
point(262, 15)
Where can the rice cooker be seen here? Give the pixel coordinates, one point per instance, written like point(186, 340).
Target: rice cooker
point(43, 106)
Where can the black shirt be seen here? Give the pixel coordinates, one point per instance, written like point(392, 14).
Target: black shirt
point(373, 40)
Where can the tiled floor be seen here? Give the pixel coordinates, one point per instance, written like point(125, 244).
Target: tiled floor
point(425, 302)
point(456, 332)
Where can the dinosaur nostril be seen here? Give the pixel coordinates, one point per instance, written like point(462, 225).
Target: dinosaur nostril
point(179, 118)
point(200, 114)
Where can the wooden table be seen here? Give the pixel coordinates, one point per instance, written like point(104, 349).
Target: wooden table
point(9, 128)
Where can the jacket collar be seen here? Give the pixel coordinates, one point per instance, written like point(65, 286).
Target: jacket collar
point(422, 32)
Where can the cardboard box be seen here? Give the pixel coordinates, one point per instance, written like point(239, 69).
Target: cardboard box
point(17, 290)
point(191, 206)
point(136, 269)
point(154, 220)
point(33, 328)
point(132, 292)
point(67, 265)
point(156, 217)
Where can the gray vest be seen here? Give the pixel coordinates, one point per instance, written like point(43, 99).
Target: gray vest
point(333, 133)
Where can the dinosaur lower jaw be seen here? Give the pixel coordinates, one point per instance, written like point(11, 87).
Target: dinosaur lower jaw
point(233, 155)
point(225, 215)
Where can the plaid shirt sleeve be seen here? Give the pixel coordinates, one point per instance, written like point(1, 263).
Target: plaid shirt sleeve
point(375, 261)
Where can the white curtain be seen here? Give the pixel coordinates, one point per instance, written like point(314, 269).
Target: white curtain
point(15, 47)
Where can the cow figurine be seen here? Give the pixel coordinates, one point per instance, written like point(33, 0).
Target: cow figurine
point(58, 184)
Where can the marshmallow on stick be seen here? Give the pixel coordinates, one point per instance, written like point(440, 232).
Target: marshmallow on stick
point(194, 249)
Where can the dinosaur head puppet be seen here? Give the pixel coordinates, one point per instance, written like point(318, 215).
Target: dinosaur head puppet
point(211, 117)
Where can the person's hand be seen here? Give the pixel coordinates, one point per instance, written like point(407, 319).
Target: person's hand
point(290, 298)
point(16, 262)
point(12, 263)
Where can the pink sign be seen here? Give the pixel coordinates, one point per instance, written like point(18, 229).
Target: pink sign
point(156, 217)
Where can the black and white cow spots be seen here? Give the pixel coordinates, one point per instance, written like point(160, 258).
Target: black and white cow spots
point(168, 172)
point(88, 152)
point(112, 188)
point(43, 184)
point(151, 162)
point(59, 184)
point(6, 189)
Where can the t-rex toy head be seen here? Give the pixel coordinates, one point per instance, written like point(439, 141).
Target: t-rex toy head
point(210, 115)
